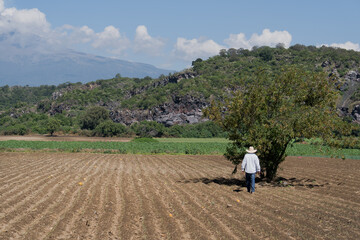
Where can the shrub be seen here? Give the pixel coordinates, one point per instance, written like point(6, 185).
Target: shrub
point(93, 117)
point(6, 120)
point(175, 131)
point(109, 129)
point(148, 129)
point(199, 130)
point(18, 129)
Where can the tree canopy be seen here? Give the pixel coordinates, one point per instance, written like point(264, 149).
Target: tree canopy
point(272, 110)
point(93, 117)
point(52, 125)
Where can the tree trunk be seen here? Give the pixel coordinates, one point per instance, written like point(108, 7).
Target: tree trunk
point(271, 167)
point(273, 161)
point(271, 172)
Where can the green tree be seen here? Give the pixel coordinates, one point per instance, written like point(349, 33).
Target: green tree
point(52, 125)
point(266, 53)
point(109, 129)
point(93, 117)
point(272, 110)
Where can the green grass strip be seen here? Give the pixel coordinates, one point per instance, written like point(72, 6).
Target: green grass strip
point(121, 147)
point(168, 147)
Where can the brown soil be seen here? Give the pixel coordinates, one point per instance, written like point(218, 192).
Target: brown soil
point(100, 196)
point(63, 138)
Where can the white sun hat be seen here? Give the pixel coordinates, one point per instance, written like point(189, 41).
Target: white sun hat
point(251, 150)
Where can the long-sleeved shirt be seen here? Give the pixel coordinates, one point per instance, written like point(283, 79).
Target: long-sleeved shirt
point(250, 163)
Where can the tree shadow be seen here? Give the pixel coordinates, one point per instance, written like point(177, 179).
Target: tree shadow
point(218, 180)
point(294, 182)
point(241, 183)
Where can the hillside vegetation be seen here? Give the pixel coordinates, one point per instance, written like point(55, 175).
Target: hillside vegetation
point(163, 106)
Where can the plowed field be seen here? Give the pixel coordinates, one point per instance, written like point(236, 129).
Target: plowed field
point(103, 196)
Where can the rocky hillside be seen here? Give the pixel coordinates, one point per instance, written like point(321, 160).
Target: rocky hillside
point(181, 97)
point(175, 109)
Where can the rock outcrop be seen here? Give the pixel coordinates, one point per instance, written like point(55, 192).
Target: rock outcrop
point(176, 78)
point(356, 113)
point(180, 110)
point(352, 76)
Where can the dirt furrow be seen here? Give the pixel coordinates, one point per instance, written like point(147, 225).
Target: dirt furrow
point(210, 173)
point(24, 204)
point(185, 164)
point(35, 186)
point(107, 202)
point(235, 211)
point(76, 202)
point(119, 198)
point(24, 219)
point(147, 219)
point(315, 199)
point(341, 189)
point(173, 197)
point(223, 204)
point(17, 162)
point(58, 205)
point(170, 208)
point(211, 162)
point(315, 203)
point(21, 162)
point(314, 212)
point(347, 181)
point(36, 183)
point(222, 230)
point(303, 222)
point(158, 219)
point(202, 165)
point(82, 218)
point(22, 176)
point(246, 211)
point(130, 227)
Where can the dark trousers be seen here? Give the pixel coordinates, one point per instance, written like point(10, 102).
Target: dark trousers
point(250, 182)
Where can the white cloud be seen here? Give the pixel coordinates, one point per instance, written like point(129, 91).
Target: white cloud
point(74, 35)
point(237, 41)
point(29, 28)
point(266, 38)
point(348, 46)
point(144, 42)
point(196, 48)
point(27, 21)
point(2, 7)
point(111, 40)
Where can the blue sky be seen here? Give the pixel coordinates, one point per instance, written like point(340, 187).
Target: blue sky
point(170, 34)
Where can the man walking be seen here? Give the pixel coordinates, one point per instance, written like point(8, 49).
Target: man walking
point(250, 165)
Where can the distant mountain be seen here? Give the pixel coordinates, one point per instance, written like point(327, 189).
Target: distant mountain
point(35, 69)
